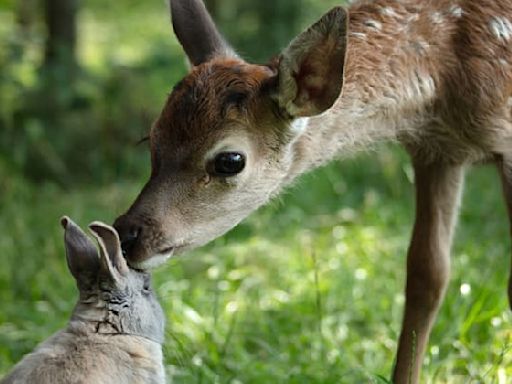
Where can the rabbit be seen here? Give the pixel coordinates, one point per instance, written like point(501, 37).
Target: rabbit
point(116, 331)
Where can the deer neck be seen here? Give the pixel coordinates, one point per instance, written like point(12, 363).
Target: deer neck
point(395, 62)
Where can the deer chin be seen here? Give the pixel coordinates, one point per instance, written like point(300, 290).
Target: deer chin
point(155, 260)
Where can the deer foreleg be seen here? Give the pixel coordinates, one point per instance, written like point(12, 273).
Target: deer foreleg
point(505, 168)
point(438, 188)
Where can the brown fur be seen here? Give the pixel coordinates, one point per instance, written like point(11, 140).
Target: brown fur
point(435, 75)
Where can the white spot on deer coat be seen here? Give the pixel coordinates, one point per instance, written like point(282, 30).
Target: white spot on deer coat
point(420, 87)
point(359, 35)
point(456, 11)
point(412, 18)
point(501, 27)
point(426, 86)
point(436, 18)
point(388, 11)
point(373, 24)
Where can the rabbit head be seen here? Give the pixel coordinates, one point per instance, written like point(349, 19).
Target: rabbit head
point(118, 299)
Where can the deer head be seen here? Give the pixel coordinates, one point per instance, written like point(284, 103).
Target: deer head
point(224, 142)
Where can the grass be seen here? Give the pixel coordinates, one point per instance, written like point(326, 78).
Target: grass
point(307, 290)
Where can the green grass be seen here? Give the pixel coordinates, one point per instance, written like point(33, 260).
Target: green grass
point(307, 290)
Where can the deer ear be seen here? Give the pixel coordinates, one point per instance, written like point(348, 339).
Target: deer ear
point(81, 253)
point(197, 32)
point(111, 257)
point(311, 68)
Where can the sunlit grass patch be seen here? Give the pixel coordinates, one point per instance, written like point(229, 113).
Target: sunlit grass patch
point(308, 289)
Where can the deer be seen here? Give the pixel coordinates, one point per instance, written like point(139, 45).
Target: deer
point(116, 331)
point(434, 76)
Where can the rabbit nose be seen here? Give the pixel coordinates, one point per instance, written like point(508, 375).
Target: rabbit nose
point(129, 234)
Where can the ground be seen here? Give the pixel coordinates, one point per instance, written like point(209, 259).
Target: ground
point(307, 290)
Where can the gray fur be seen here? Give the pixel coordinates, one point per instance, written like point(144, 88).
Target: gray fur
point(117, 327)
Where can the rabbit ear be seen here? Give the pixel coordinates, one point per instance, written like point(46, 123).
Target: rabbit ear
point(111, 257)
point(81, 253)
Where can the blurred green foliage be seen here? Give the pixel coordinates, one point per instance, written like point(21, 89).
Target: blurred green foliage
point(86, 130)
point(307, 290)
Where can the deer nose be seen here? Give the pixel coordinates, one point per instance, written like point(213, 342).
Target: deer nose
point(129, 234)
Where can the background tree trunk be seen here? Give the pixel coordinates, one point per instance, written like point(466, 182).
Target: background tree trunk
point(60, 50)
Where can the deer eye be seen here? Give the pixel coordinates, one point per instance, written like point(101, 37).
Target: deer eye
point(228, 164)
